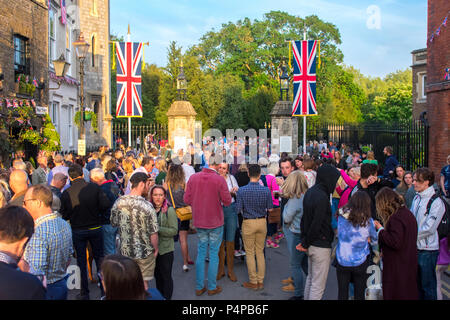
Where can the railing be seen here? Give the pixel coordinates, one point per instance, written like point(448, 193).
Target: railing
point(409, 140)
point(141, 131)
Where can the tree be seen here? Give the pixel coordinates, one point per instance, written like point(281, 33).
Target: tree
point(395, 105)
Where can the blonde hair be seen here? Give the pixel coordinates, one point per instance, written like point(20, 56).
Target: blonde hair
point(104, 161)
point(161, 164)
point(127, 165)
point(273, 168)
point(243, 168)
point(295, 185)
point(370, 155)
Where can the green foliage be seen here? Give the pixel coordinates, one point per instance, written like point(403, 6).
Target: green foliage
point(50, 137)
point(395, 105)
point(233, 76)
point(93, 119)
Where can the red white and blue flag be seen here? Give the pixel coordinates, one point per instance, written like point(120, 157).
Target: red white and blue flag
point(63, 11)
point(129, 66)
point(304, 53)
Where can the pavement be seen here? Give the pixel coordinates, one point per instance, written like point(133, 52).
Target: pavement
point(277, 269)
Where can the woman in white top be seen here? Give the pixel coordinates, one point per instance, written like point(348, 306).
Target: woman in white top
point(309, 172)
point(229, 227)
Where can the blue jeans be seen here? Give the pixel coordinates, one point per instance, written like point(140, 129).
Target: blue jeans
point(288, 235)
point(334, 208)
point(109, 239)
point(213, 238)
point(80, 239)
point(427, 281)
point(299, 265)
point(57, 290)
point(230, 222)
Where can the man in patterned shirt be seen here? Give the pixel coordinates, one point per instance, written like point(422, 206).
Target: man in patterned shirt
point(138, 226)
point(50, 249)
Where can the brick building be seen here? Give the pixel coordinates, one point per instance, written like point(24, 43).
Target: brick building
point(438, 90)
point(23, 51)
point(419, 78)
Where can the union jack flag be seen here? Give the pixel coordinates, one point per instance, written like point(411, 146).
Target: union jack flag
point(304, 78)
point(129, 61)
point(63, 11)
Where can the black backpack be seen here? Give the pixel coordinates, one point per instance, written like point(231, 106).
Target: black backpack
point(444, 226)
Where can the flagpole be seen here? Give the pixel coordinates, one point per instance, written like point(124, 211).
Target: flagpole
point(304, 116)
point(129, 118)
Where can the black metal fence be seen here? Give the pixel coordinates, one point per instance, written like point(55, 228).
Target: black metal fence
point(141, 131)
point(409, 140)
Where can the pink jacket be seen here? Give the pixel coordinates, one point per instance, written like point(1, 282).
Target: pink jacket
point(273, 186)
point(206, 191)
point(345, 193)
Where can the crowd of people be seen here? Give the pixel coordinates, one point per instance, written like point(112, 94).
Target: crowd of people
point(125, 209)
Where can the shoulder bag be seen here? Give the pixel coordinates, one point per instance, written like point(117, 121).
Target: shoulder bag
point(184, 213)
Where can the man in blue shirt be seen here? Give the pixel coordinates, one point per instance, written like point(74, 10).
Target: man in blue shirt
point(391, 162)
point(445, 178)
point(254, 201)
point(49, 250)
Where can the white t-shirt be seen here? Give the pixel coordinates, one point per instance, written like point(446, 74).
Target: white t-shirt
point(188, 171)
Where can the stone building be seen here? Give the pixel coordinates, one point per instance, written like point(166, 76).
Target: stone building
point(437, 88)
point(23, 51)
point(94, 21)
point(419, 78)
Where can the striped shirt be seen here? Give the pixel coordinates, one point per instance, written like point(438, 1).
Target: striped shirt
point(50, 247)
point(253, 200)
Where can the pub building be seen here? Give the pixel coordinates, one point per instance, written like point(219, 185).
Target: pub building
point(23, 78)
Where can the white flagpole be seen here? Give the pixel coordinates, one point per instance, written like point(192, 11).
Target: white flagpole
point(304, 117)
point(129, 118)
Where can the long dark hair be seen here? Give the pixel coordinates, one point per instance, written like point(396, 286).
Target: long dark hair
point(359, 206)
point(122, 278)
point(388, 202)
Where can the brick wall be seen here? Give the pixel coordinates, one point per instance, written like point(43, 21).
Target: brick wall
point(438, 90)
point(29, 18)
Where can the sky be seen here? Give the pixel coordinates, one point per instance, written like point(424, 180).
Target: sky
point(377, 35)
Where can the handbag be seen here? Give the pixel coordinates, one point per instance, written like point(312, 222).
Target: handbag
point(184, 213)
point(274, 215)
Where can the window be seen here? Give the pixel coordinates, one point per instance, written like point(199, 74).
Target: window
point(93, 10)
point(21, 55)
point(55, 114)
point(93, 50)
point(70, 118)
point(52, 35)
point(424, 86)
point(68, 48)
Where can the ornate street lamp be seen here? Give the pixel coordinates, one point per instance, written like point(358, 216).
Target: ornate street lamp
point(284, 82)
point(182, 84)
point(81, 48)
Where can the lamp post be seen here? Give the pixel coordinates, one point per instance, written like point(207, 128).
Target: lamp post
point(284, 82)
point(182, 84)
point(81, 48)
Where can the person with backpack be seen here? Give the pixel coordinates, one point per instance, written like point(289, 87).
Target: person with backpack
point(429, 209)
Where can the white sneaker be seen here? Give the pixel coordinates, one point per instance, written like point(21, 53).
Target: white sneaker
point(185, 268)
point(242, 253)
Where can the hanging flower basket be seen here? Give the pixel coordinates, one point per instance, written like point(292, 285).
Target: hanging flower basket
point(87, 116)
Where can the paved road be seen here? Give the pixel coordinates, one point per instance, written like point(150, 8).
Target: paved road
point(277, 268)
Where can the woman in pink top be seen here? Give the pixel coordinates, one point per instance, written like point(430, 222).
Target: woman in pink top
point(273, 170)
point(351, 179)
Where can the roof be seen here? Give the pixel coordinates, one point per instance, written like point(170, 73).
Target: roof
point(181, 108)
